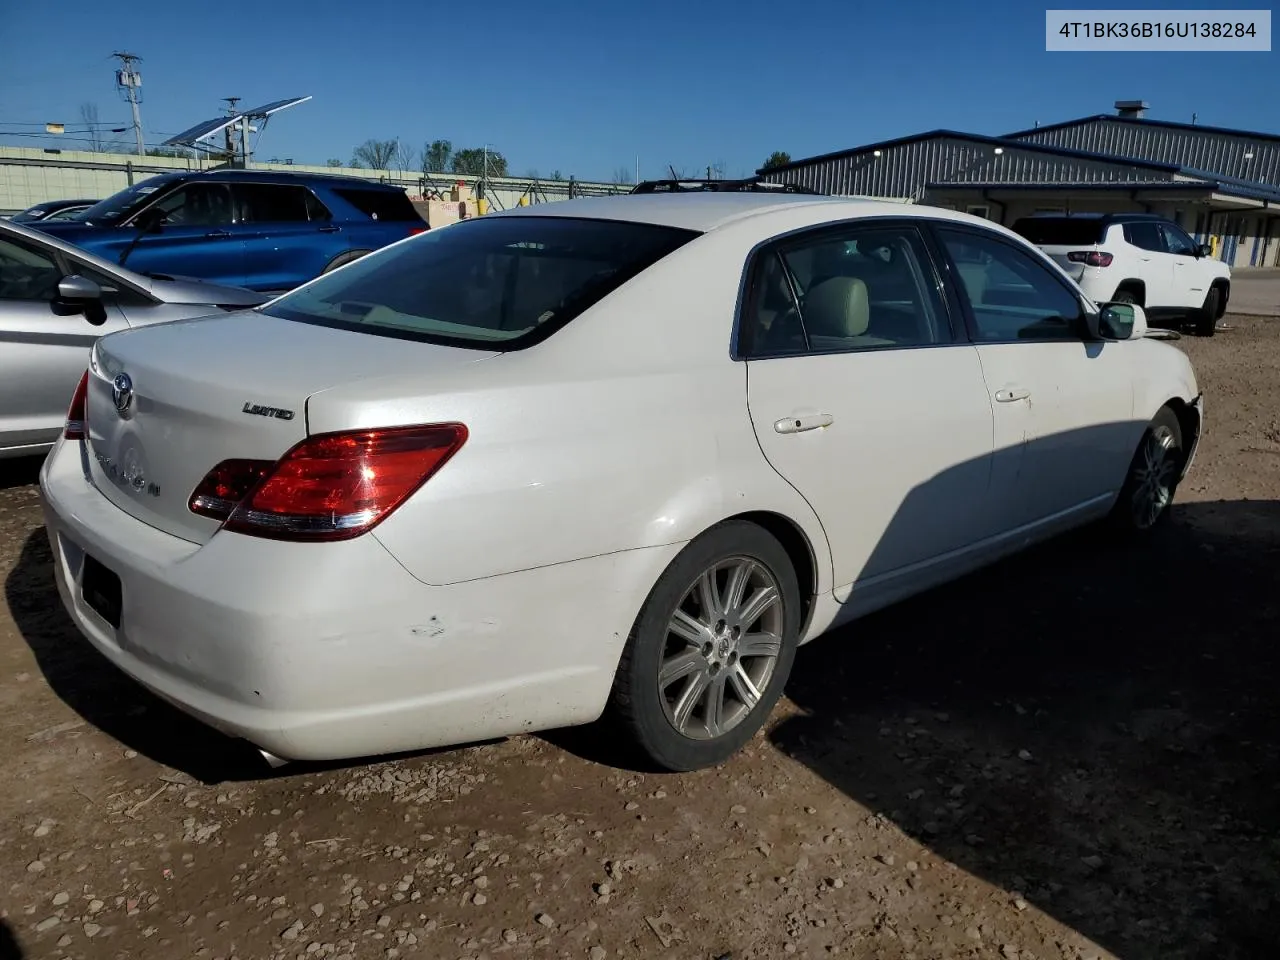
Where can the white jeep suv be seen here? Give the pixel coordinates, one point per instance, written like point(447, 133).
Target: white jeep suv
point(1136, 258)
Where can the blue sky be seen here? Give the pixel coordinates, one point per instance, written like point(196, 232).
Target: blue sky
point(586, 88)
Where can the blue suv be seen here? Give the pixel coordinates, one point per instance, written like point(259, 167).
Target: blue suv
point(265, 231)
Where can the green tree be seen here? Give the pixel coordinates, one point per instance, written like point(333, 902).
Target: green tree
point(778, 158)
point(333, 162)
point(436, 156)
point(476, 162)
point(374, 154)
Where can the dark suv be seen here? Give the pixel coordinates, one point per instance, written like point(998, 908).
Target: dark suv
point(265, 231)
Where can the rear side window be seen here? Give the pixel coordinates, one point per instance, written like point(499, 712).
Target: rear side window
point(1144, 234)
point(379, 204)
point(1059, 231)
point(270, 203)
point(500, 282)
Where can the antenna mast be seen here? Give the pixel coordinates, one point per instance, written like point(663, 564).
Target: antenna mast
point(129, 81)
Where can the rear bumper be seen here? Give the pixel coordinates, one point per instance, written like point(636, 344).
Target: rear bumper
point(328, 651)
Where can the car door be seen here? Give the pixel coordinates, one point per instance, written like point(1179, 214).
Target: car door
point(287, 234)
point(44, 343)
point(1191, 273)
point(1153, 264)
point(1063, 403)
point(192, 236)
point(863, 399)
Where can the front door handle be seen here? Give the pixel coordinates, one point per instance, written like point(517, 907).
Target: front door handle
point(810, 421)
point(218, 234)
point(330, 229)
point(1010, 394)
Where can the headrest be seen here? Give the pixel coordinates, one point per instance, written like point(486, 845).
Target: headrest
point(837, 307)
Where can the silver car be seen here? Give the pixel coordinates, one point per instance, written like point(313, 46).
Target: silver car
point(55, 301)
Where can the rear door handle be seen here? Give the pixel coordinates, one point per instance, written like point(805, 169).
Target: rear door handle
point(1010, 394)
point(330, 229)
point(809, 421)
point(218, 234)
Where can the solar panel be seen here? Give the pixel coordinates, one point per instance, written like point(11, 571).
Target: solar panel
point(201, 130)
point(276, 105)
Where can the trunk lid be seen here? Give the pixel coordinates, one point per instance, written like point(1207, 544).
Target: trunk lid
point(218, 388)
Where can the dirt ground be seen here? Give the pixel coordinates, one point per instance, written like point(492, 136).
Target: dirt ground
point(1072, 755)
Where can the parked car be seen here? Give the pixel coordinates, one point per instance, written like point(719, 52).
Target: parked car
point(55, 301)
point(256, 229)
point(52, 210)
point(1136, 258)
point(750, 185)
point(618, 454)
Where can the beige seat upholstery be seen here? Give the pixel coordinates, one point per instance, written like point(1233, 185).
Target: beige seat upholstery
point(837, 307)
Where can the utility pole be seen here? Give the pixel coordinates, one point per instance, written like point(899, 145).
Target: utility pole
point(130, 81)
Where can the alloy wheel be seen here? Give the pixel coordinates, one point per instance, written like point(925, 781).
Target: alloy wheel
point(722, 646)
point(1154, 477)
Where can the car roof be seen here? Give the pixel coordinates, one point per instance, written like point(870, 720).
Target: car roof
point(280, 176)
point(707, 211)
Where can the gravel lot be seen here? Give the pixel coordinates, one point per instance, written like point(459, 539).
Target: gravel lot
point(1071, 755)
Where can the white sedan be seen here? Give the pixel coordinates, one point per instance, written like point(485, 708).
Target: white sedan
point(606, 457)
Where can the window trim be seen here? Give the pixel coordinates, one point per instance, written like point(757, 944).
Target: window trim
point(739, 341)
point(1031, 252)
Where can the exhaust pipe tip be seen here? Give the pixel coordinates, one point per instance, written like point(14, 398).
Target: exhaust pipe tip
point(274, 762)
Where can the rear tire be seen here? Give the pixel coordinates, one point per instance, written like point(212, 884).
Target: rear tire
point(711, 650)
point(1146, 498)
point(1206, 323)
point(342, 259)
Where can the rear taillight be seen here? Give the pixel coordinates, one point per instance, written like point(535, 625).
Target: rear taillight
point(329, 487)
point(1090, 258)
point(222, 489)
point(77, 426)
point(414, 231)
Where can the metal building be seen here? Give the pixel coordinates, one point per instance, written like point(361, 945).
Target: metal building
point(1221, 185)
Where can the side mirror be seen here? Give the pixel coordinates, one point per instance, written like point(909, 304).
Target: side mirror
point(76, 287)
point(1122, 321)
point(1204, 250)
point(77, 294)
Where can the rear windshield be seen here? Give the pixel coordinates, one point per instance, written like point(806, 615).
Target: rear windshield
point(119, 205)
point(1059, 231)
point(380, 204)
point(497, 283)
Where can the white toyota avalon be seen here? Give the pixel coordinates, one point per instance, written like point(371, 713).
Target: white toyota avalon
point(606, 457)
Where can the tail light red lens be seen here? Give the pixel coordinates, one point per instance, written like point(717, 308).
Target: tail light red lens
point(1091, 258)
point(414, 231)
point(77, 426)
point(221, 491)
point(329, 487)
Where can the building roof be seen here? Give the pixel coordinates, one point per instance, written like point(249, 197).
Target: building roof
point(1004, 142)
point(1209, 182)
point(1144, 122)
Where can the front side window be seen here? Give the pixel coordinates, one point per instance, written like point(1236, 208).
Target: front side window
point(1011, 295)
point(269, 203)
point(197, 205)
point(120, 205)
point(1176, 241)
point(497, 282)
point(1145, 235)
point(27, 272)
point(856, 289)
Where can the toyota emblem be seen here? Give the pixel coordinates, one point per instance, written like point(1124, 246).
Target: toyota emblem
point(122, 393)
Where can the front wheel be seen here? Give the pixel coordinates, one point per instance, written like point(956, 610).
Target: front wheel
point(711, 650)
point(1147, 495)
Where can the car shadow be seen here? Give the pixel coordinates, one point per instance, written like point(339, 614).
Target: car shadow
point(1092, 725)
point(20, 471)
point(10, 949)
